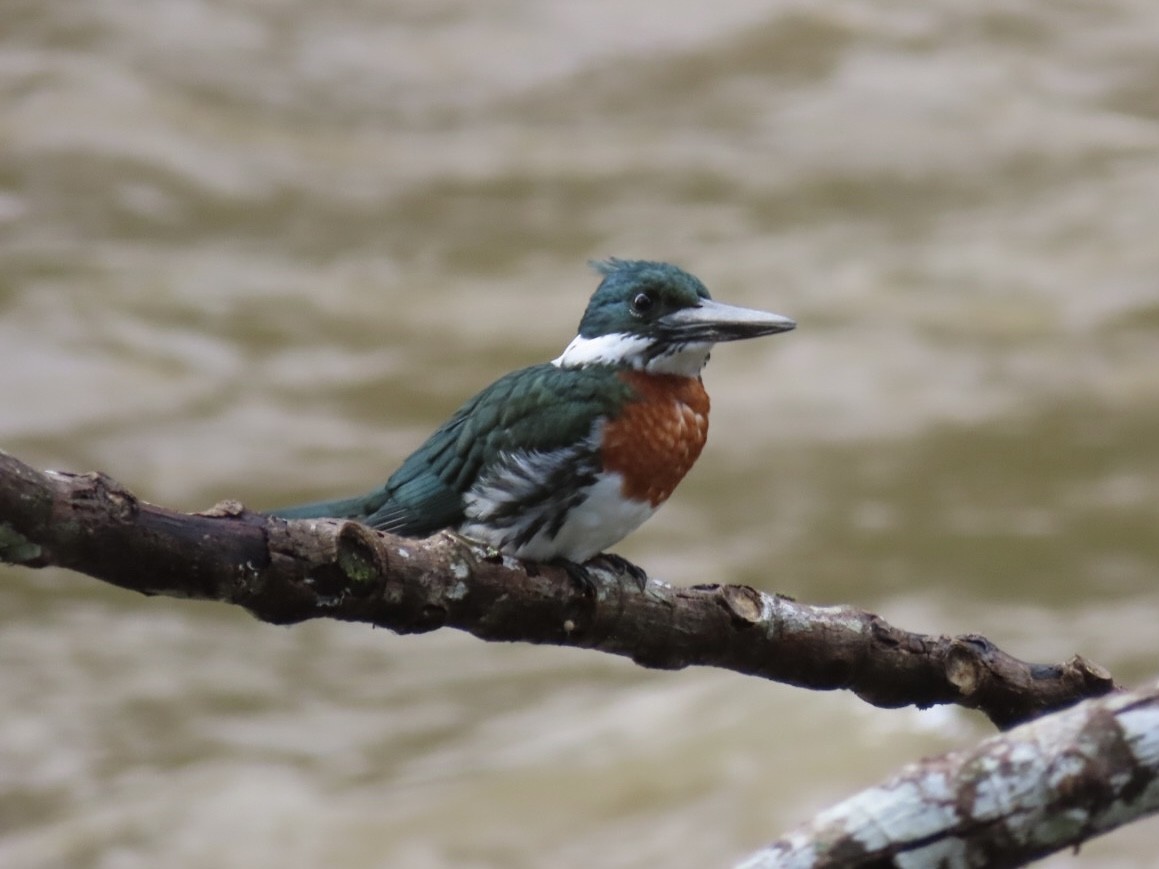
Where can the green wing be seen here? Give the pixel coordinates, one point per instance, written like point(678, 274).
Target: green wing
point(540, 408)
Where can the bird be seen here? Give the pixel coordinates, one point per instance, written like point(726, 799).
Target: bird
point(556, 462)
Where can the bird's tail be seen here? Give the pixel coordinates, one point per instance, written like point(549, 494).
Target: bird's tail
point(358, 507)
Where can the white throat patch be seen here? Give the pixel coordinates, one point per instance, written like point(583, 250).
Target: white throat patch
point(632, 351)
point(616, 349)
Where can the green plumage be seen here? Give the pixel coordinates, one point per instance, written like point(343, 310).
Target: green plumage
point(540, 408)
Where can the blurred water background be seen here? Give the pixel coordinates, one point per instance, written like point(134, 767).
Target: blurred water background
point(257, 249)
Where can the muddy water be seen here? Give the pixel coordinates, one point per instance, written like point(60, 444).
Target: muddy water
point(258, 250)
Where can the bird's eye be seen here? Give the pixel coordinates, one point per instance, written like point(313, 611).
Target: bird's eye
point(643, 303)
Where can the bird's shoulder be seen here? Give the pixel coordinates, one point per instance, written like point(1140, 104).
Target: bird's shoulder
point(544, 403)
point(538, 409)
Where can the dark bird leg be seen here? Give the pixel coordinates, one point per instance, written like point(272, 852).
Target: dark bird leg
point(581, 574)
point(620, 566)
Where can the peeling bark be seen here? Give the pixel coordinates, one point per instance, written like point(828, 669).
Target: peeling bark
point(1045, 786)
point(289, 571)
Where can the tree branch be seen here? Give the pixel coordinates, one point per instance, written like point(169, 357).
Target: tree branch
point(285, 572)
point(1042, 787)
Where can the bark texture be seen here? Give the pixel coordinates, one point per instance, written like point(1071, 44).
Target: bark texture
point(289, 571)
point(1047, 785)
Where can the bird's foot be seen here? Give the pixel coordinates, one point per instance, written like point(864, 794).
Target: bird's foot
point(621, 566)
point(579, 574)
point(582, 574)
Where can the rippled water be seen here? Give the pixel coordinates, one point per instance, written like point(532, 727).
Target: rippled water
point(258, 250)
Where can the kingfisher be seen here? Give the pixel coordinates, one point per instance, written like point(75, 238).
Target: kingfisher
point(558, 461)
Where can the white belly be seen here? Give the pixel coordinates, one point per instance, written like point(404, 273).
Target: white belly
point(603, 519)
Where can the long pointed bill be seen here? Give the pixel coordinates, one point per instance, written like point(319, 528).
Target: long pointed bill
point(711, 322)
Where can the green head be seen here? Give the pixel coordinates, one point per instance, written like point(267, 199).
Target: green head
point(657, 317)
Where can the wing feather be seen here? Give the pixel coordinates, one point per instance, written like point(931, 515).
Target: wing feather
point(541, 409)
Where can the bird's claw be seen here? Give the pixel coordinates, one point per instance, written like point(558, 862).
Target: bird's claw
point(620, 565)
point(581, 574)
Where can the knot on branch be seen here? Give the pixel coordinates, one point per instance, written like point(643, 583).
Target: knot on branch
point(99, 493)
point(746, 605)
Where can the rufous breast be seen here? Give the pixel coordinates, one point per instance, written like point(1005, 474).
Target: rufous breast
point(658, 435)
